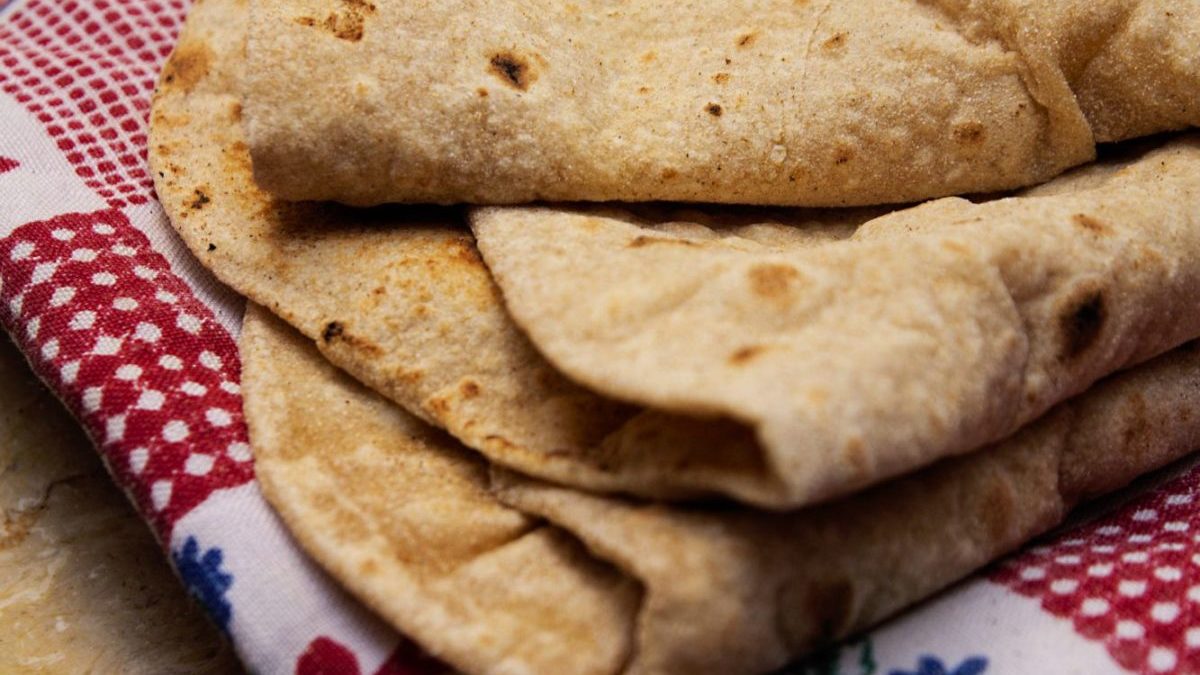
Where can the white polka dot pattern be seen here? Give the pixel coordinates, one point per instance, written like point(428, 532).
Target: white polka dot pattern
point(133, 352)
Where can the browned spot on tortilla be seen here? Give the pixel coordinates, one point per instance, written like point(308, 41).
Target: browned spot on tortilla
point(745, 355)
point(512, 69)
point(439, 406)
point(482, 91)
point(714, 109)
point(747, 39)
point(368, 568)
point(969, 133)
point(199, 199)
point(346, 23)
point(1082, 323)
point(835, 41)
point(463, 251)
point(1091, 224)
point(643, 90)
point(772, 280)
point(842, 154)
point(469, 389)
point(642, 241)
point(332, 330)
point(188, 65)
point(669, 173)
point(648, 57)
point(721, 78)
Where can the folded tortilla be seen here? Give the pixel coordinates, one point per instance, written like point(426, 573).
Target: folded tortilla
point(400, 514)
point(930, 332)
point(787, 103)
point(400, 299)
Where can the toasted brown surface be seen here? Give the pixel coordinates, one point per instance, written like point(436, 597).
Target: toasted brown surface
point(930, 332)
point(817, 103)
point(400, 514)
point(83, 585)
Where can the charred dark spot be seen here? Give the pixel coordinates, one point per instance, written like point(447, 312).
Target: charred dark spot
point(969, 133)
point(747, 39)
point(835, 41)
point(642, 241)
point(1090, 224)
point(745, 355)
point(199, 200)
point(721, 78)
point(1082, 324)
point(714, 109)
point(512, 69)
point(333, 329)
point(211, 247)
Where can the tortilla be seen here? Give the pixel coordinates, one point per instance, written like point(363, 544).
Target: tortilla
point(84, 586)
point(931, 332)
point(400, 515)
point(784, 103)
point(400, 299)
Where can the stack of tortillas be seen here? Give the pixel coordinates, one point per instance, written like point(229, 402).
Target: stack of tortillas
point(690, 439)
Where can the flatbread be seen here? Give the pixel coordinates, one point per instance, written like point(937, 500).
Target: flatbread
point(84, 586)
point(399, 514)
point(930, 332)
point(400, 298)
point(788, 103)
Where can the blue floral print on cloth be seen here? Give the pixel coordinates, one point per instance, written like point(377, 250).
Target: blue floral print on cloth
point(932, 665)
point(205, 579)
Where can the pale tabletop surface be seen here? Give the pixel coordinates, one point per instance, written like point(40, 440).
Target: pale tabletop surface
point(84, 587)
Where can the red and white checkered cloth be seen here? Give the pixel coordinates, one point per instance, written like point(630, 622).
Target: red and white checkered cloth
point(140, 342)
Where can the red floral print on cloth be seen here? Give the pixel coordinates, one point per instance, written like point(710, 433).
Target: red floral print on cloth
point(8, 164)
point(85, 69)
point(139, 360)
point(325, 656)
point(1130, 580)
